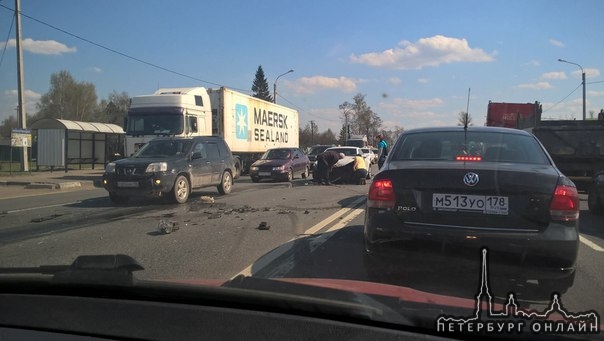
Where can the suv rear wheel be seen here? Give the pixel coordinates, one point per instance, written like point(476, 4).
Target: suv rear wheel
point(226, 184)
point(181, 190)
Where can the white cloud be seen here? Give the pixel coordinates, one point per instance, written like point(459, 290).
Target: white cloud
point(417, 104)
point(592, 93)
point(554, 75)
point(588, 73)
point(423, 80)
point(96, 69)
point(432, 51)
point(592, 73)
point(313, 84)
point(48, 47)
point(325, 118)
point(31, 98)
point(537, 86)
point(556, 43)
point(410, 113)
point(29, 94)
point(395, 80)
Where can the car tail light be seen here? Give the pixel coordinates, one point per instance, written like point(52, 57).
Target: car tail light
point(565, 204)
point(381, 194)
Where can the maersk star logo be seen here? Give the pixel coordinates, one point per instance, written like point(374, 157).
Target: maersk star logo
point(241, 121)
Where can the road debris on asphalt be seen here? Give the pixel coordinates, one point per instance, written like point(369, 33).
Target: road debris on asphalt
point(263, 226)
point(167, 226)
point(207, 199)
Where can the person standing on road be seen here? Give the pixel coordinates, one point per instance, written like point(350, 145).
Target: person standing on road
point(325, 162)
point(382, 150)
point(360, 170)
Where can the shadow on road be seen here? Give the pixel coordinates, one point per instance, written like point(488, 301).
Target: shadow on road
point(340, 255)
point(591, 224)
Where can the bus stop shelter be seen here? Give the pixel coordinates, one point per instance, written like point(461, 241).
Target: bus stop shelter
point(61, 143)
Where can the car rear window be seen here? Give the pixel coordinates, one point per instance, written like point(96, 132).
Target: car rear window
point(490, 146)
point(346, 151)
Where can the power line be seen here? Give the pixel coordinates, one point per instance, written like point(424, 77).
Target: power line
point(307, 112)
point(149, 63)
point(118, 52)
point(10, 30)
point(562, 100)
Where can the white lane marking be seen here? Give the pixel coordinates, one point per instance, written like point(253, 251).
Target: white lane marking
point(318, 226)
point(355, 212)
point(40, 207)
point(46, 192)
point(312, 230)
point(590, 244)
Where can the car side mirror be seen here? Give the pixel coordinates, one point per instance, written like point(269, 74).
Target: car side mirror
point(196, 155)
point(296, 156)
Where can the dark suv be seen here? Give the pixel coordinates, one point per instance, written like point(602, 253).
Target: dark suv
point(314, 151)
point(171, 166)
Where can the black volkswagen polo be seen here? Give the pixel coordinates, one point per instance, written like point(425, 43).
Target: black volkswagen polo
point(471, 188)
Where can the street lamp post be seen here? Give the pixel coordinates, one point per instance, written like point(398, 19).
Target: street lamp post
point(275, 85)
point(582, 81)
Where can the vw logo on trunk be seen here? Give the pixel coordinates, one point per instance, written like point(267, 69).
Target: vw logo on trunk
point(471, 179)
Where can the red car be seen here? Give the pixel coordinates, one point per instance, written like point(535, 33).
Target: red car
point(281, 164)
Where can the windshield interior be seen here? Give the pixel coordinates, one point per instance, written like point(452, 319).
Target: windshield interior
point(163, 148)
point(345, 151)
point(155, 124)
point(277, 154)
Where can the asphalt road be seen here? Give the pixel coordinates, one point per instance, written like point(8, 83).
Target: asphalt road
point(265, 230)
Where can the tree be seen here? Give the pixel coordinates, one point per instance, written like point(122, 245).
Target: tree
point(347, 109)
point(327, 137)
point(464, 119)
point(306, 138)
point(392, 134)
point(7, 126)
point(67, 99)
point(343, 136)
point(113, 109)
point(260, 86)
point(359, 117)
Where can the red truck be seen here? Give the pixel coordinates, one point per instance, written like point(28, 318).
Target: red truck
point(513, 115)
point(576, 146)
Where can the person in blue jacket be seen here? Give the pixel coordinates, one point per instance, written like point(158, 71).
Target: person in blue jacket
point(382, 150)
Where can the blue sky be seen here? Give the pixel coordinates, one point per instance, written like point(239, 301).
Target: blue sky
point(413, 60)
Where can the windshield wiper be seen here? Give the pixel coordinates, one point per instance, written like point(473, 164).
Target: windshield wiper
point(97, 269)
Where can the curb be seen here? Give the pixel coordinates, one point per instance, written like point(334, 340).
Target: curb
point(60, 185)
point(14, 183)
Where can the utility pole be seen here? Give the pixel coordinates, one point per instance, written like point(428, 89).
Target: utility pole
point(312, 132)
point(582, 82)
point(22, 116)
